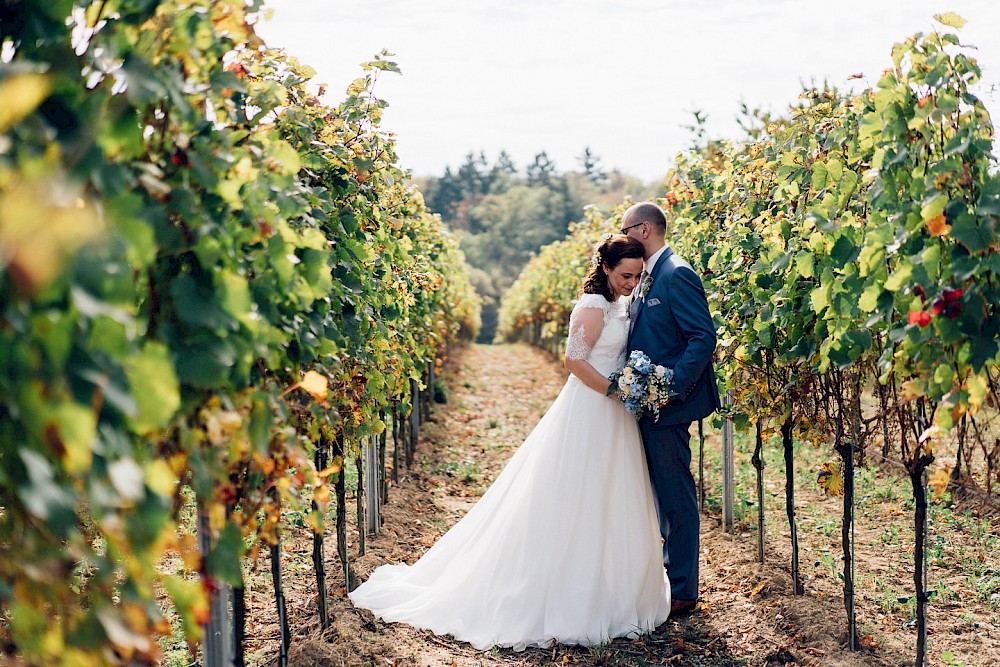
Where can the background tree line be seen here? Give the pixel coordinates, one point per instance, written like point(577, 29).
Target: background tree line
point(502, 214)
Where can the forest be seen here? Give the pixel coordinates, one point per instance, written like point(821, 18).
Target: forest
point(502, 214)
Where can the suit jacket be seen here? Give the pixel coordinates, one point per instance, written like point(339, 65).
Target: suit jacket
point(673, 327)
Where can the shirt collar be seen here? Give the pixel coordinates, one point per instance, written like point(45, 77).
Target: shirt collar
point(651, 262)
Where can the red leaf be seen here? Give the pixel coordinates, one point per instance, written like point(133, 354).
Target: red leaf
point(920, 317)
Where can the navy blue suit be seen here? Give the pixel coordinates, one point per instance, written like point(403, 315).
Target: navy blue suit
point(673, 327)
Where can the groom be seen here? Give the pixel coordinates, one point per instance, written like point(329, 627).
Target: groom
point(670, 322)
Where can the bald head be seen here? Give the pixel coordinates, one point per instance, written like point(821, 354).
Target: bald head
point(646, 211)
point(646, 223)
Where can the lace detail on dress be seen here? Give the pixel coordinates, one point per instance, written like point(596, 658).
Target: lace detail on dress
point(576, 344)
point(605, 347)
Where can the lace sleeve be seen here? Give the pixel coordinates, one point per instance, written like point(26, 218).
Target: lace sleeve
point(585, 326)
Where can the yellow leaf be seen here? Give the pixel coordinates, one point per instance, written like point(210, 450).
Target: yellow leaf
point(314, 520)
point(938, 226)
point(930, 434)
point(322, 494)
point(217, 516)
point(938, 480)
point(330, 470)
point(957, 412)
point(266, 465)
point(978, 390)
point(757, 589)
point(127, 640)
point(160, 477)
point(220, 425)
point(42, 224)
point(178, 463)
point(316, 385)
point(74, 426)
point(21, 94)
point(914, 389)
point(830, 479)
point(950, 19)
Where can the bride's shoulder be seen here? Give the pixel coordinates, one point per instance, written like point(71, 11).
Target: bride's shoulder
point(591, 301)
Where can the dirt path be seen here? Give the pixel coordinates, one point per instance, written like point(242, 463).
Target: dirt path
point(495, 396)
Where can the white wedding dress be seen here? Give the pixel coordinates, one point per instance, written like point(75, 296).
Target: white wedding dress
point(563, 546)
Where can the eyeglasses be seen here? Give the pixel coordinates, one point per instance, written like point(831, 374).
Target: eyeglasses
point(624, 230)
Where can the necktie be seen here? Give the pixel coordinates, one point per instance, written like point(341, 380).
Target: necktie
point(637, 291)
point(642, 280)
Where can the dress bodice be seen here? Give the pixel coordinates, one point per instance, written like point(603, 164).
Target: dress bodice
point(607, 354)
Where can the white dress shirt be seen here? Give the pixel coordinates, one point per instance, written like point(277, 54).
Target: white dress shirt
point(651, 262)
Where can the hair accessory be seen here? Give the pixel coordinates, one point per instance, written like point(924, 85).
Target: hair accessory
point(595, 259)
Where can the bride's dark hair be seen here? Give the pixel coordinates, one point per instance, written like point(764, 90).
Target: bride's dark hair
point(610, 251)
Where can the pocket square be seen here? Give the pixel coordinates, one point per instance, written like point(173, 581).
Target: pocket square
point(653, 302)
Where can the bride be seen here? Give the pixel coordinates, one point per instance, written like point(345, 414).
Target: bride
point(564, 546)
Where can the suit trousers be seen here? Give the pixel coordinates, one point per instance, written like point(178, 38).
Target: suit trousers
point(668, 455)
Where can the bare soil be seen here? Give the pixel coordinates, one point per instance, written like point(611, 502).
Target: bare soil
point(748, 614)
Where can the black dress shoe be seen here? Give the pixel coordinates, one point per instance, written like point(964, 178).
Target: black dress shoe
point(682, 607)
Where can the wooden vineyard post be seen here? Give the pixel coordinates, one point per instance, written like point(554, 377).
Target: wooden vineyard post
point(373, 489)
point(397, 436)
point(279, 590)
point(758, 464)
point(429, 397)
point(414, 419)
point(728, 472)
point(918, 479)
point(360, 497)
point(382, 476)
point(788, 445)
point(341, 491)
point(216, 647)
point(319, 564)
point(701, 465)
point(239, 625)
point(847, 541)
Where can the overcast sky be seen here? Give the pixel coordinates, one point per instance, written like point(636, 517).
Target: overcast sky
point(620, 77)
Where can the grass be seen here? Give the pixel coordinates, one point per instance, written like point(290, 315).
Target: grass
point(465, 471)
point(963, 549)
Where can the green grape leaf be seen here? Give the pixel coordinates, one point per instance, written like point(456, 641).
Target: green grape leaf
point(154, 386)
point(223, 560)
point(43, 496)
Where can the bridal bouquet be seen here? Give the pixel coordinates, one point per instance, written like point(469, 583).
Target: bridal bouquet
point(642, 385)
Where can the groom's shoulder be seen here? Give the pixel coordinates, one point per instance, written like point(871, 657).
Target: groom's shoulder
point(675, 262)
point(679, 270)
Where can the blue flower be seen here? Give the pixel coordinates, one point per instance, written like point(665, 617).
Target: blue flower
point(648, 387)
point(642, 365)
point(633, 406)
